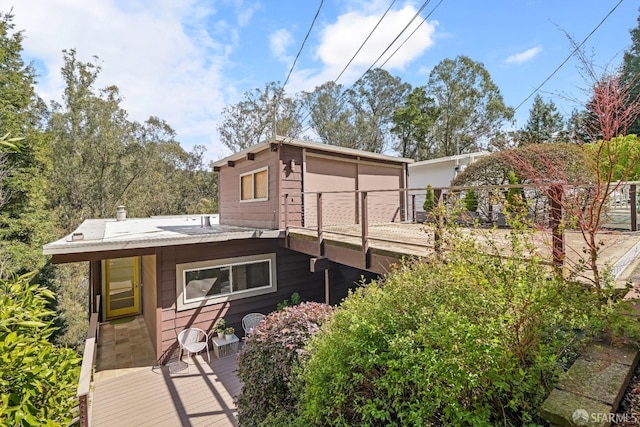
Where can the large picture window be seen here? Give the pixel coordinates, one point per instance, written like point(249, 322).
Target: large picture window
point(254, 186)
point(209, 282)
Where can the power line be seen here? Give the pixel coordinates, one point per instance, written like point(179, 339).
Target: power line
point(577, 48)
point(398, 36)
point(365, 41)
point(412, 33)
point(303, 43)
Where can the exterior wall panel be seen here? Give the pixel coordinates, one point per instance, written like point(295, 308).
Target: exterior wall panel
point(149, 295)
point(292, 273)
point(259, 214)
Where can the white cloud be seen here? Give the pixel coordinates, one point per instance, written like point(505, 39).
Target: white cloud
point(522, 57)
point(279, 41)
point(340, 40)
point(168, 60)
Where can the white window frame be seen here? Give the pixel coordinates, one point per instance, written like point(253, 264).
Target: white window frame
point(182, 269)
point(253, 190)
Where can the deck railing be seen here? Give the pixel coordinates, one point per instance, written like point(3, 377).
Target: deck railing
point(86, 369)
point(322, 212)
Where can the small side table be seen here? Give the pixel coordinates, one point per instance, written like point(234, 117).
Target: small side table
point(223, 347)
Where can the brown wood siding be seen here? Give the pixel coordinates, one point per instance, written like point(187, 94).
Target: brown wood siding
point(342, 278)
point(249, 214)
point(382, 206)
point(291, 184)
point(330, 175)
point(149, 296)
point(293, 275)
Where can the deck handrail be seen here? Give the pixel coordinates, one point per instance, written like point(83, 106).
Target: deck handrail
point(86, 369)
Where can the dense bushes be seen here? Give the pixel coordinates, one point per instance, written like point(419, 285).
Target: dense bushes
point(471, 340)
point(37, 379)
point(269, 354)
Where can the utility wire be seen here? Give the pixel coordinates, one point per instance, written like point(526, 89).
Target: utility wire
point(277, 100)
point(412, 33)
point(577, 48)
point(341, 99)
point(397, 37)
point(364, 42)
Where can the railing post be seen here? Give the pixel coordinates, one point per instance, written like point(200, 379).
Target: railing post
point(365, 229)
point(438, 229)
point(83, 411)
point(319, 222)
point(633, 196)
point(413, 208)
point(557, 233)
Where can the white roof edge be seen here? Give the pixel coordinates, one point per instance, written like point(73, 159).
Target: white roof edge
point(64, 246)
point(450, 158)
point(310, 144)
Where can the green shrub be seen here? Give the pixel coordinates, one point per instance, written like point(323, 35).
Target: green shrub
point(429, 200)
point(38, 380)
point(295, 300)
point(474, 339)
point(269, 354)
point(471, 201)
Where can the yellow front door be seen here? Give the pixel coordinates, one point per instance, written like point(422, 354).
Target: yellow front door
point(122, 286)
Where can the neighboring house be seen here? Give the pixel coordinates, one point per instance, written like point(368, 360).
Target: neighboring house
point(438, 172)
point(185, 271)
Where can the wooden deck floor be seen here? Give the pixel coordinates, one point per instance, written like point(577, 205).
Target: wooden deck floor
point(418, 239)
point(202, 395)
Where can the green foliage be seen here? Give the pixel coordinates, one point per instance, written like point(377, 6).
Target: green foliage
point(545, 123)
point(411, 125)
point(471, 200)
point(37, 379)
point(429, 200)
point(515, 196)
point(251, 120)
point(619, 157)
point(477, 338)
point(295, 300)
point(471, 107)
point(266, 361)
point(222, 325)
point(631, 71)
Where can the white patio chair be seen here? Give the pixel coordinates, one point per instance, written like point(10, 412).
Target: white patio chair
point(191, 340)
point(250, 321)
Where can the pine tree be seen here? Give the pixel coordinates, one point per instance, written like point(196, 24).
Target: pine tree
point(631, 71)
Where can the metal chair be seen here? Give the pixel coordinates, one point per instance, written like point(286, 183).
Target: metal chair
point(250, 321)
point(190, 340)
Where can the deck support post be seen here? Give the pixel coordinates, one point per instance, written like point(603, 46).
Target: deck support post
point(413, 208)
point(319, 223)
point(286, 220)
point(557, 233)
point(633, 198)
point(365, 230)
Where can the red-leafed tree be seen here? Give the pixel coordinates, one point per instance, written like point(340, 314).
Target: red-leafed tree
point(611, 110)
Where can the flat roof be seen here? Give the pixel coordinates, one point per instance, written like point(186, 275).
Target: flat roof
point(311, 145)
point(97, 235)
point(451, 158)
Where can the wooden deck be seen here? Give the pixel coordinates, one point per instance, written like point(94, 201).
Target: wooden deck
point(171, 395)
point(396, 240)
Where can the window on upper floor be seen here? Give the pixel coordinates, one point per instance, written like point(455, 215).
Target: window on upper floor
point(254, 185)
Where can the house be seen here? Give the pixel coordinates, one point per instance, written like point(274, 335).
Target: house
point(190, 271)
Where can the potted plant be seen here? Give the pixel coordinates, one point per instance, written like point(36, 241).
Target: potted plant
point(228, 333)
point(222, 325)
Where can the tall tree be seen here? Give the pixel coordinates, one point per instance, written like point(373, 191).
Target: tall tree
point(103, 159)
point(545, 123)
point(374, 98)
point(25, 222)
point(412, 123)
point(330, 114)
point(259, 115)
point(631, 71)
point(472, 109)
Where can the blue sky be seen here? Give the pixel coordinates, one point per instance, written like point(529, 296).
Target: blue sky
point(185, 60)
